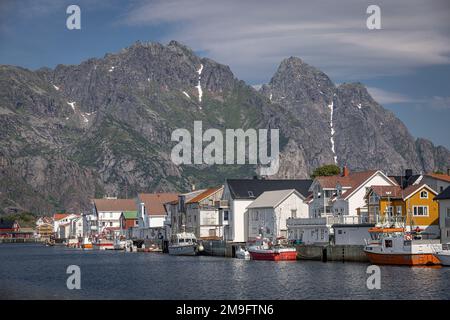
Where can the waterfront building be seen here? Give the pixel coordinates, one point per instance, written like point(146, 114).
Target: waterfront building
point(238, 194)
point(44, 227)
point(443, 200)
point(337, 201)
point(152, 214)
point(8, 229)
point(202, 215)
point(108, 212)
point(176, 219)
point(437, 181)
point(414, 207)
point(128, 222)
point(61, 224)
point(269, 213)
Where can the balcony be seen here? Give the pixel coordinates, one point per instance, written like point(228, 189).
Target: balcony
point(330, 220)
point(222, 204)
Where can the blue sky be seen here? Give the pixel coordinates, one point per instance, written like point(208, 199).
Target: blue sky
point(405, 65)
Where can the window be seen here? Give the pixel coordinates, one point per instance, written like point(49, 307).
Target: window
point(448, 213)
point(110, 224)
point(110, 214)
point(390, 210)
point(225, 215)
point(420, 211)
point(388, 243)
point(423, 195)
point(293, 213)
point(399, 210)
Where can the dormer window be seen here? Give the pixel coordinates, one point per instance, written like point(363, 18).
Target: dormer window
point(424, 195)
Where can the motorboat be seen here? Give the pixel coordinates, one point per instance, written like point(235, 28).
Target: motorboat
point(184, 244)
point(395, 246)
point(264, 249)
point(243, 254)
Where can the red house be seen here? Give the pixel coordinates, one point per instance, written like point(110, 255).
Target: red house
point(8, 229)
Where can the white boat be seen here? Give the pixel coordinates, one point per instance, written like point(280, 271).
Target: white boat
point(184, 244)
point(393, 246)
point(444, 255)
point(242, 254)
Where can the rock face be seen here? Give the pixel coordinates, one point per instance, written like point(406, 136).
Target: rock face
point(104, 127)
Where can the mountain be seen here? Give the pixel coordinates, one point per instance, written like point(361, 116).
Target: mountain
point(104, 127)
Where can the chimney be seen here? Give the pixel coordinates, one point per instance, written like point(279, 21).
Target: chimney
point(408, 173)
point(345, 171)
point(193, 187)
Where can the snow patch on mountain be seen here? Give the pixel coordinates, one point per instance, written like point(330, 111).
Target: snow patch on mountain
point(332, 131)
point(199, 86)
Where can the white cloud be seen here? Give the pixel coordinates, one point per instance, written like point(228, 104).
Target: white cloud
point(254, 36)
point(387, 97)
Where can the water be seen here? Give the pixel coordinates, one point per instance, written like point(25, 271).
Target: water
point(33, 271)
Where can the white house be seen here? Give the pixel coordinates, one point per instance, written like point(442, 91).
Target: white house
point(444, 214)
point(152, 214)
point(61, 224)
point(270, 211)
point(338, 201)
point(108, 212)
point(238, 194)
point(202, 215)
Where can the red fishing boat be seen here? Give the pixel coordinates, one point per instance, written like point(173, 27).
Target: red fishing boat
point(263, 249)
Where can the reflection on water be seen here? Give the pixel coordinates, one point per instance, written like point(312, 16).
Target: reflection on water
point(34, 271)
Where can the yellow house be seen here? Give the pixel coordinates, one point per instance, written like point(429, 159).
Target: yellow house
point(414, 206)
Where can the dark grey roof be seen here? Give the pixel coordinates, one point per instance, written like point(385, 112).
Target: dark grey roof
point(405, 181)
point(253, 188)
point(443, 195)
point(6, 224)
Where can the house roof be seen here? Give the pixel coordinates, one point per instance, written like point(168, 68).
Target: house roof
point(399, 193)
point(59, 216)
point(414, 188)
point(46, 219)
point(406, 181)
point(154, 202)
point(439, 176)
point(253, 188)
point(271, 199)
point(205, 194)
point(444, 195)
point(6, 224)
point(115, 205)
point(387, 191)
point(130, 215)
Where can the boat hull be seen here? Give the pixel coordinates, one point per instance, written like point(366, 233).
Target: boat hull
point(104, 246)
point(272, 255)
point(425, 259)
point(444, 259)
point(87, 246)
point(183, 250)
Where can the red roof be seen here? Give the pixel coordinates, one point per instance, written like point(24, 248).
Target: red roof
point(59, 216)
point(397, 192)
point(439, 176)
point(204, 194)
point(154, 202)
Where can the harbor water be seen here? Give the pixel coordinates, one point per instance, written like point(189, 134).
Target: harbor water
point(33, 271)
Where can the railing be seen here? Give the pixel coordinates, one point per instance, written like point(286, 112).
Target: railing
point(221, 204)
point(306, 221)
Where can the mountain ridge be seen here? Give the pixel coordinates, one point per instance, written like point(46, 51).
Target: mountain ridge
point(103, 127)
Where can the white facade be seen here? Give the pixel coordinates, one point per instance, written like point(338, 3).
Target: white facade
point(308, 231)
point(337, 202)
point(273, 219)
point(351, 234)
point(444, 220)
point(236, 228)
point(58, 228)
point(108, 219)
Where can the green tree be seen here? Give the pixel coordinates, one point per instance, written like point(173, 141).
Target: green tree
point(326, 170)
